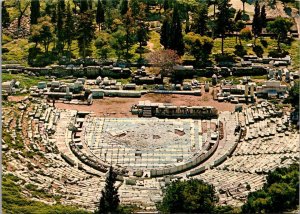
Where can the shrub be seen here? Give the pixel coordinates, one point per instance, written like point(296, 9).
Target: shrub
point(279, 194)
point(246, 33)
point(240, 51)
point(278, 53)
point(226, 57)
point(5, 50)
point(178, 197)
point(245, 17)
point(264, 43)
point(258, 50)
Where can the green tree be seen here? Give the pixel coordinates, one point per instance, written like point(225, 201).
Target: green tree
point(185, 7)
point(104, 2)
point(69, 27)
point(238, 16)
point(165, 32)
point(111, 14)
point(100, 14)
point(62, 5)
point(256, 22)
point(54, 15)
point(191, 196)
point(109, 201)
point(135, 7)
point(129, 26)
point(118, 42)
point(200, 19)
point(48, 8)
point(214, 3)
point(84, 6)
point(258, 50)
point(90, 4)
point(21, 10)
point(34, 11)
point(223, 20)
point(245, 34)
point(279, 194)
point(76, 4)
point(280, 28)
point(238, 24)
point(167, 5)
point(35, 35)
point(5, 16)
point(60, 30)
point(198, 46)
point(283, 196)
point(142, 35)
point(263, 16)
point(160, 5)
point(176, 37)
point(43, 32)
point(244, 1)
point(85, 32)
point(102, 45)
point(123, 7)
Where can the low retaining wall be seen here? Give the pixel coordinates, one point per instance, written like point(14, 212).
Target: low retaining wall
point(61, 71)
point(122, 93)
point(195, 93)
point(185, 166)
point(218, 161)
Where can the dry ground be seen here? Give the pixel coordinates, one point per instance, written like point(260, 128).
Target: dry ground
point(120, 107)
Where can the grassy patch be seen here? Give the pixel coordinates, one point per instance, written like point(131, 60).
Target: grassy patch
point(124, 81)
point(155, 40)
point(295, 54)
point(14, 202)
point(17, 51)
point(230, 43)
point(25, 81)
point(18, 143)
point(5, 39)
point(259, 77)
point(36, 192)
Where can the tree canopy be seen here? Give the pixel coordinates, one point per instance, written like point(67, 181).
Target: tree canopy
point(198, 46)
point(109, 201)
point(280, 27)
point(178, 198)
point(280, 193)
point(5, 16)
point(140, 22)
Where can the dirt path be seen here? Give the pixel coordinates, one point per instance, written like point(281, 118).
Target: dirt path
point(150, 45)
point(15, 98)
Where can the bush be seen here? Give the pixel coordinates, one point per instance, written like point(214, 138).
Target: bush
point(275, 53)
point(279, 194)
point(245, 17)
point(258, 50)
point(246, 33)
point(240, 51)
point(5, 50)
point(226, 57)
point(191, 196)
point(264, 43)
